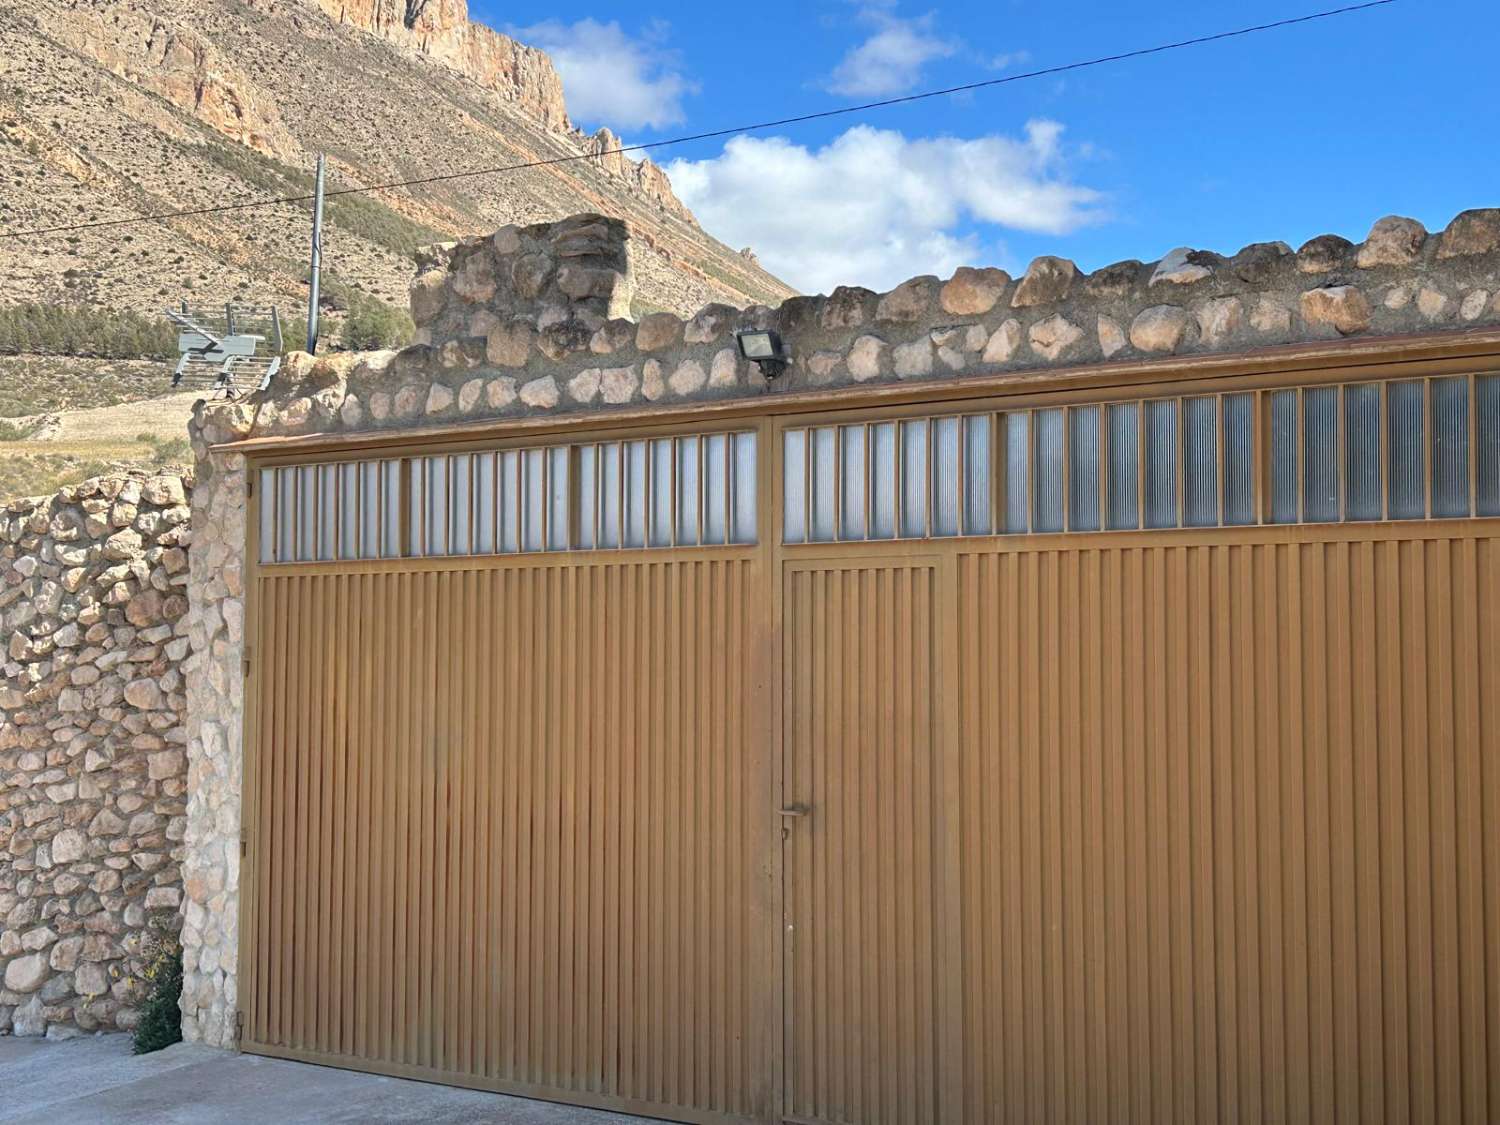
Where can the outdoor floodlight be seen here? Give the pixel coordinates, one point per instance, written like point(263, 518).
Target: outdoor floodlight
point(764, 348)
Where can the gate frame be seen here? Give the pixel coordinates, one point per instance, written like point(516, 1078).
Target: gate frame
point(1464, 352)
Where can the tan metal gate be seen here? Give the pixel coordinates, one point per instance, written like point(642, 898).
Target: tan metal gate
point(1183, 824)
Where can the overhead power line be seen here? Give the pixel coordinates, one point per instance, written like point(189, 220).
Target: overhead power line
point(714, 134)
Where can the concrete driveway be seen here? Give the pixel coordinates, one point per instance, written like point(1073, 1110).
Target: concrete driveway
point(96, 1079)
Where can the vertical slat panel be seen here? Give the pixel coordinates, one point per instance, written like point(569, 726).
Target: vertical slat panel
point(450, 820)
point(1295, 862)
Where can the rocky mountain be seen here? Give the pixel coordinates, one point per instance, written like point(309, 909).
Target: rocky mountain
point(114, 107)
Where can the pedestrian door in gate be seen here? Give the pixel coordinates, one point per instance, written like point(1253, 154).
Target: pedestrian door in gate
point(865, 775)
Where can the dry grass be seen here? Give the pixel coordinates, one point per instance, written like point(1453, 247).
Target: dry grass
point(150, 433)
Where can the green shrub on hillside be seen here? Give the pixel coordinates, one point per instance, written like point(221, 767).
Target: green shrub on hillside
point(294, 335)
point(374, 324)
point(361, 215)
point(15, 431)
point(39, 329)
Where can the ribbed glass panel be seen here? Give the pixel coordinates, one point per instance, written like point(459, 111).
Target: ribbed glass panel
point(1017, 472)
point(914, 479)
point(435, 506)
point(688, 499)
point(533, 499)
point(824, 483)
point(852, 482)
point(1320, 455)
point(484, 503)
point(328, 510)
point(883, 476)
point(1239, 459)
point(978, 477)
point(1123, 420)
point(586, 472)
point(461, 492)
point(746, 523)
point(947, 474)
point(1047, 471)
point(716, 492)
point(1407, 474)
point(347, 478)
point(511, 508)
point(662, 488)
point(1200, 470)
point(416, 499)
point(1362, 499)
point(636, 500)
point(1450, 447)
point(608, 458)
point(794, 478)
point(1161, 463)
point(1283, 453)
point(371, 494)
point(559, 498)
point(1083, 468)
point(1487, 405)
point(393, 471)
point(307, 513)
point(266, 490)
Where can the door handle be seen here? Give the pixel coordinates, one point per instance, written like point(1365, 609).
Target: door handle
point(796, 810)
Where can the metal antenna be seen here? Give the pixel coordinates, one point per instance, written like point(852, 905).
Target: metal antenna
point(317, 261)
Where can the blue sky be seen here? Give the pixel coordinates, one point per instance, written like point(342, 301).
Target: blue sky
point(1283, 135)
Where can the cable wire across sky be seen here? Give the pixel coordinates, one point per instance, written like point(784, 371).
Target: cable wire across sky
point(713, 134)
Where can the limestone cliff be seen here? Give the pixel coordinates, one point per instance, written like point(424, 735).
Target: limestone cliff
point(164, 56)
point(441, 30)
point(118, 107)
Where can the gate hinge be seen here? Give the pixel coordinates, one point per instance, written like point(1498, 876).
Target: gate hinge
point(244, 843)
point(239, 1025)
point(249, 485)
point(245, 664)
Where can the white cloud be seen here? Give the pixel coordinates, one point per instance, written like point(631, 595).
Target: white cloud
point(1009, 59)
point(874, 207)
point(890, 61)
point(610, 78)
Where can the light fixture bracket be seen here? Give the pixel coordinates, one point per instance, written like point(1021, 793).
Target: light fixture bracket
point(763, 347)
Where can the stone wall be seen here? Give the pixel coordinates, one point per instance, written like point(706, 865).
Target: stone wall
point(93, 780)
point(489, 300)
point(527, 322)
point(512, 325)
point(211, 866)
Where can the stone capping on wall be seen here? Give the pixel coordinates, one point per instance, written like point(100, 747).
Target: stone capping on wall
point(525, 322)
point(93, 776)
point(528, 323)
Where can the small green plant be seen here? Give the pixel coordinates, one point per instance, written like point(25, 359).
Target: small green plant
point(372, 323)
point(161, 1017)
point(294, 334)
point(167, 450)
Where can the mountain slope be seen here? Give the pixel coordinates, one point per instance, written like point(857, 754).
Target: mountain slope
point(114, 107)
